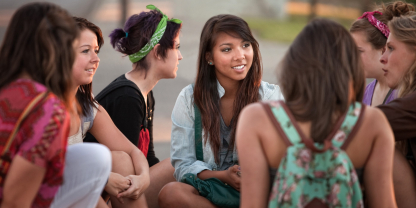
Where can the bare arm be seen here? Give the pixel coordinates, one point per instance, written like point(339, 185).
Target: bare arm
point(22, 183)
point(378, 172)
point(108, 134)
point(253, 161)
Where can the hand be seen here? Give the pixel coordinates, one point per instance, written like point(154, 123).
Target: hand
point(117, 184)
point(232, 178)
point(139, 184)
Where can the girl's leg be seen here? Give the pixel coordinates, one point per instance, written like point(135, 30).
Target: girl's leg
point(177, 194)
point(123, 165)
point(87, 167)
point(160, 175)
point(404, 181)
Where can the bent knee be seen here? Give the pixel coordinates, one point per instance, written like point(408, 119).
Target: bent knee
point(122, 163)
point(175, 194)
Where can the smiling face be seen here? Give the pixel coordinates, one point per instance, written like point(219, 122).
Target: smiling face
point(169, 66)
point(369, 55)
point(396, 60)
point(232, 58)
point(86, 61)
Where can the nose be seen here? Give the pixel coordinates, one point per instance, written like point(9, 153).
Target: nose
point(95, 58)
point(239, 54)
point(383, 58)
point(179, 55)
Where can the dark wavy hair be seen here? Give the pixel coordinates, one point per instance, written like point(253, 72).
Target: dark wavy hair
point(316, 74)
point(39, 42)
point(140, 28)
point(390, 10)
point(206, 95)
point(84, 93)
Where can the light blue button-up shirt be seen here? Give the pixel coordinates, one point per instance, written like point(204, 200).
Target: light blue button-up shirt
point(182, 152)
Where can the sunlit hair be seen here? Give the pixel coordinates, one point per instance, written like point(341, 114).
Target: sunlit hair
point(39, 42)
point(84, 93)
point(389, 10)
point(404, 30)
point(206, 95)
point(316, 74)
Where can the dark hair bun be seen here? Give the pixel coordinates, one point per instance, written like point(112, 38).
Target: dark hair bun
point(397, 9)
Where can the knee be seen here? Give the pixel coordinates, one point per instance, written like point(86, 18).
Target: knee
point(122, 163)
point(101, 157)
point(172, 195)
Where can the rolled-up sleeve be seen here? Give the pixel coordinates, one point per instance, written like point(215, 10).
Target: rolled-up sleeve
point(182, 151)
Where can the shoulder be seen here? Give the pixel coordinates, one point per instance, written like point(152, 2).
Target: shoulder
point(375, 119)
point(269, 91)
point(187, 93)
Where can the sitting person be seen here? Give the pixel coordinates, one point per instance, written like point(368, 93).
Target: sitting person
point(370, 33)
point(228, 78)
point(129, 99)
point(129, 176)
point(37, 168)
point(399, 66)
point(285, 145)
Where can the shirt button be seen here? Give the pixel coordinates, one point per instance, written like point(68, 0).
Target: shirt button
point(214, 169)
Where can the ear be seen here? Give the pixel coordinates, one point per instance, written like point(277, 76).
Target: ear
point(208, 57)
point(155, 50)
point(351, 91)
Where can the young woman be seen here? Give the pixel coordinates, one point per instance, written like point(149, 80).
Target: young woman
point(370, 33)
point(319, 87)
point(129, 99)
point(130, 172)
point(229, 78)
point(399, 67)
point(38, 170)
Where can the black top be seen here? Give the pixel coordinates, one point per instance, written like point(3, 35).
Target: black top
point(126, 107)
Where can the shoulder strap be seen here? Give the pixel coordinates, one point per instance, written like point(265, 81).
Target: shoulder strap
point(198, 133)
point(115, 85)
point(16, 128)
point(349, 126)
point(282, 122)
point(387, 96)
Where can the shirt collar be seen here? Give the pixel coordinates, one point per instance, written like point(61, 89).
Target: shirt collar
point(221, 90)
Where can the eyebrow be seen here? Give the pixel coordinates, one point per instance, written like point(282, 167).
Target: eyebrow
point(226, 44)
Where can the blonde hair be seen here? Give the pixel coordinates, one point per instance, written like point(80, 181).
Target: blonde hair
point(404, 30)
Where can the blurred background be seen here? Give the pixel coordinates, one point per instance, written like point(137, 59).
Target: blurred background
point(275, 23)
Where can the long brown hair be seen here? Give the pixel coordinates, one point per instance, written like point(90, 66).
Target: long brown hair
point(206, 95)
point(404, 30)
point(316, 73)
point(39, 42)
point(84, 92)
point(390, 10)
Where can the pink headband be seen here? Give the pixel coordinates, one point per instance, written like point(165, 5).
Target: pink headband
point(376, 23)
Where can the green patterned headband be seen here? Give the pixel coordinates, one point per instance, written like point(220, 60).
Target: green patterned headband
point(160, 30)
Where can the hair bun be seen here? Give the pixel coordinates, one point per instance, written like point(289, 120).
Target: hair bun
point(397, 9)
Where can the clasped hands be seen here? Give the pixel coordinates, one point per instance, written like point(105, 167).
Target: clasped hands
point(131, 186)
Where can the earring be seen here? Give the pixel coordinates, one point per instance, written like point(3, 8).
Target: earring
point(210, 63)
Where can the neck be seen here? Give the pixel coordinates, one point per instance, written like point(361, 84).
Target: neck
point(381, 82)
point(144, 81)
point(230, 88)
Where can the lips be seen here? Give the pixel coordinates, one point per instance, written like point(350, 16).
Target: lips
point(385, 72)
point(239, 68)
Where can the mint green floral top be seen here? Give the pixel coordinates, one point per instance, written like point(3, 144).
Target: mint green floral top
point(321, 173)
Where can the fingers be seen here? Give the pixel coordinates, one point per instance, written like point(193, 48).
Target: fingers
point(132, 192)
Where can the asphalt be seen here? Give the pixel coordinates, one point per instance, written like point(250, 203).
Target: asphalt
point(106, 13)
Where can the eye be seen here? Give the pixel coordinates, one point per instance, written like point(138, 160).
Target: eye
point(226, 49)
point(246, 45)
point(390, 48)
point(97, 51)
point(85, 51)
point(178, 47)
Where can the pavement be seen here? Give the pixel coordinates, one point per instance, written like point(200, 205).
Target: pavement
point(106, 13)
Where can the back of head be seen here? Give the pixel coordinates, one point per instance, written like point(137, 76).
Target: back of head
point(316, 74)
point(388, 11)
point(403, 28)
point(138, 31)
point(206, 93)
point(39, 42)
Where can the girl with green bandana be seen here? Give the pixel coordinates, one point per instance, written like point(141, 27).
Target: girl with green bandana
point(228, 78)
point(151, 41)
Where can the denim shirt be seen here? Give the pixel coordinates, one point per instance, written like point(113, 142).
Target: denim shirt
point(182, 152)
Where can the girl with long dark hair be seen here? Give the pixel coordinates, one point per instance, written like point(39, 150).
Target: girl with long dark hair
point(228, 79)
